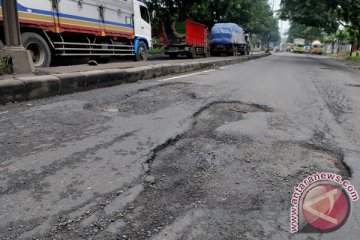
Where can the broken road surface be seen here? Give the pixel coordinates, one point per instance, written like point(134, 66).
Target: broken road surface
point(212, 155)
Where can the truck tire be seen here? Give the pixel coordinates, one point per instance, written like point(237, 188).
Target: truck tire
point(173, 56)
point(207, 53)
point(101, 59)
point(142, 53)
point(38, 48)
point(191, 54)
point(233, 52)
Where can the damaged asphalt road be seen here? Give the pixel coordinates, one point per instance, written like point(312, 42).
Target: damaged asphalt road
point(208, 156)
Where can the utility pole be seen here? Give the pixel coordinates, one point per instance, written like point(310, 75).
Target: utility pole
point(21, 59)
point(269, 38)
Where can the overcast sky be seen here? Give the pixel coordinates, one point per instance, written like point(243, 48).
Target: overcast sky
point(283, 25)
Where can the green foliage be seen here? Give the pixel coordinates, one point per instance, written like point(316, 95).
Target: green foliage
point(354, 58)
point(297, 30)
point(325, 15)
point(156, 51)
point(6, 66)
point(313, 13)
point(255, 16)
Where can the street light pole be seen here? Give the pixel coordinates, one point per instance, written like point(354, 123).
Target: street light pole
point(11, 23)
point(21, 59)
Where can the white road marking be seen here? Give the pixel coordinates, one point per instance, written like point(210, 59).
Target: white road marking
point(221, 68)
point(232, 65)
point(186, 75)
point(4, 112)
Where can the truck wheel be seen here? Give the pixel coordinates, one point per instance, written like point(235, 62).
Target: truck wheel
point(100, 59)
point(142, 53)
point(233, 52)
point(191, 54)
point(173, 55)
point(207, 53)
point(39, 49)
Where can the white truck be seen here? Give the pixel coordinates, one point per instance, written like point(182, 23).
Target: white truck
point(99, 29)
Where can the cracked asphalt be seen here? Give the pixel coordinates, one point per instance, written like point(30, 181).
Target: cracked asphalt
point(212, 155)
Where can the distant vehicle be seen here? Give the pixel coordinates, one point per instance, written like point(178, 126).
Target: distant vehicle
point(299, 45)
point(187, 38)
point(289, 47)
point(307, 49)
point(230, 39)
point(317, 47)
point(95, 28)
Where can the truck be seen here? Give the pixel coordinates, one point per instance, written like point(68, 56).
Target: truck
point(230, 39)
point(188, 38)
point(99, 29)
point(299, 45)
point(289, 47)
point(317, 47)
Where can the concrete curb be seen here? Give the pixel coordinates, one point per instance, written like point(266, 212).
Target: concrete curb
point(34, 87)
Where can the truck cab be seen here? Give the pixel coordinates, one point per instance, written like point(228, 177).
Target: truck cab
point(142, 27)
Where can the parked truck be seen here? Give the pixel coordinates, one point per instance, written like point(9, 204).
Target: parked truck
point(230, 39)
point(299, 45)
point(317, 47)
point(187, 38)
point(98, 29)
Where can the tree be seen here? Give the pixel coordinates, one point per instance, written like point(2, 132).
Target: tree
point(324, 14)
point(255, 16)
point(297, 30)
point(313, 13)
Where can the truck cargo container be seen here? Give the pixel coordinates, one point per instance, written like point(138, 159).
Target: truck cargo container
point(187, 38)
point(98, 29)
point(230, 39)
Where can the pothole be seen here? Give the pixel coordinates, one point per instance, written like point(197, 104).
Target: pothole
point(328, 68)
point(175, 86)
point(352, 85)
point(225, 178)
point(149, 99)
point(231, 181)
point(182, 167)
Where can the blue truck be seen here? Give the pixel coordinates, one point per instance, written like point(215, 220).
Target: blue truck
point(229, 39)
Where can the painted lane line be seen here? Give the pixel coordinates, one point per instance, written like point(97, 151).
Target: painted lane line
point(221, 68)
point(186, 75)
point(4, 112)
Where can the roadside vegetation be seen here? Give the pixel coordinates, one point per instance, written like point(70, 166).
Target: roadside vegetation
point(254, 16)
point(157, 50)
point(331, 22)
point(354, 58)
point(6, 66)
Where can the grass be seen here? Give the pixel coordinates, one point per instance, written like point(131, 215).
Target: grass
point(156, 51)
point(6, 66)
point(354, 58)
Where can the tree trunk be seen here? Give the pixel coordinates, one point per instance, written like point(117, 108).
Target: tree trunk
point(358, 45)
